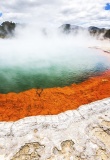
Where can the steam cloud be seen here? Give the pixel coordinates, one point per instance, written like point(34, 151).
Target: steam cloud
point(32, 43)
point(37, 57)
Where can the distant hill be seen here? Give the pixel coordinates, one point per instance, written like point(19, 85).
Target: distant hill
point(68, 28)
point(94, 31)
point(107, 34)
point(7, 29)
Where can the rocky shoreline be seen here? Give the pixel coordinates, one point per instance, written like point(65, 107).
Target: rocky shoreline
point(82, 134)
point(51, 101)
point(105, 49)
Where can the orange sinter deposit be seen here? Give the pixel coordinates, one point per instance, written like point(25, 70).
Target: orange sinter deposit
point(14, 106)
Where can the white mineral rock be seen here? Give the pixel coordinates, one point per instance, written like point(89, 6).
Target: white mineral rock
point(82, 134)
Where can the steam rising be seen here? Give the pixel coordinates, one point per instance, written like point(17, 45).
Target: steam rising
point(37, 57)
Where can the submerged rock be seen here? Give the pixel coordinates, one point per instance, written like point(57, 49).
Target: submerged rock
point(82, 134)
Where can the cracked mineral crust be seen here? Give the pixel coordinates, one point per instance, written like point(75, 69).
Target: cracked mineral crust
point(82, 134)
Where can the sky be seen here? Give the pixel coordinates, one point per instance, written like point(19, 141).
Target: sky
point(107, 7)
point(57, 12)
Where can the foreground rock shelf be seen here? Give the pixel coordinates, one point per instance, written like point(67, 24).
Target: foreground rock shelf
point(82, 134)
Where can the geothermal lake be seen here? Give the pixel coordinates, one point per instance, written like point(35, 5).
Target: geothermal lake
point(19, 73)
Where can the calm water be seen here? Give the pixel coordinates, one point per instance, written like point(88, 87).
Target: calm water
point(71, 66)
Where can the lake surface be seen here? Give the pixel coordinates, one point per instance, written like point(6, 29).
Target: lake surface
point(74, 65)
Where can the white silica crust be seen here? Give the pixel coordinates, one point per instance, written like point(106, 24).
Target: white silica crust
point(82, 134)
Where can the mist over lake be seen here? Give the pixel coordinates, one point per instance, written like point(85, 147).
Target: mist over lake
point(35, 60)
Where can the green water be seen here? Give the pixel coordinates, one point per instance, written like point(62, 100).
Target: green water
point(58, 71)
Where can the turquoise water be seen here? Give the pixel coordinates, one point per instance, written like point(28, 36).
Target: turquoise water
point(56, 70)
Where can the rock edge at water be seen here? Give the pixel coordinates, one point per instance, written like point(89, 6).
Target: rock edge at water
point(82, 134)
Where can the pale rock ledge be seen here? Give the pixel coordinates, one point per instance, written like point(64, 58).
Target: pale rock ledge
point(82, 134)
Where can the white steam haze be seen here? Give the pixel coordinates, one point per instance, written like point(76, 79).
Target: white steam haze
point(34, 43)
point(33, 58)
point(30, 44)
